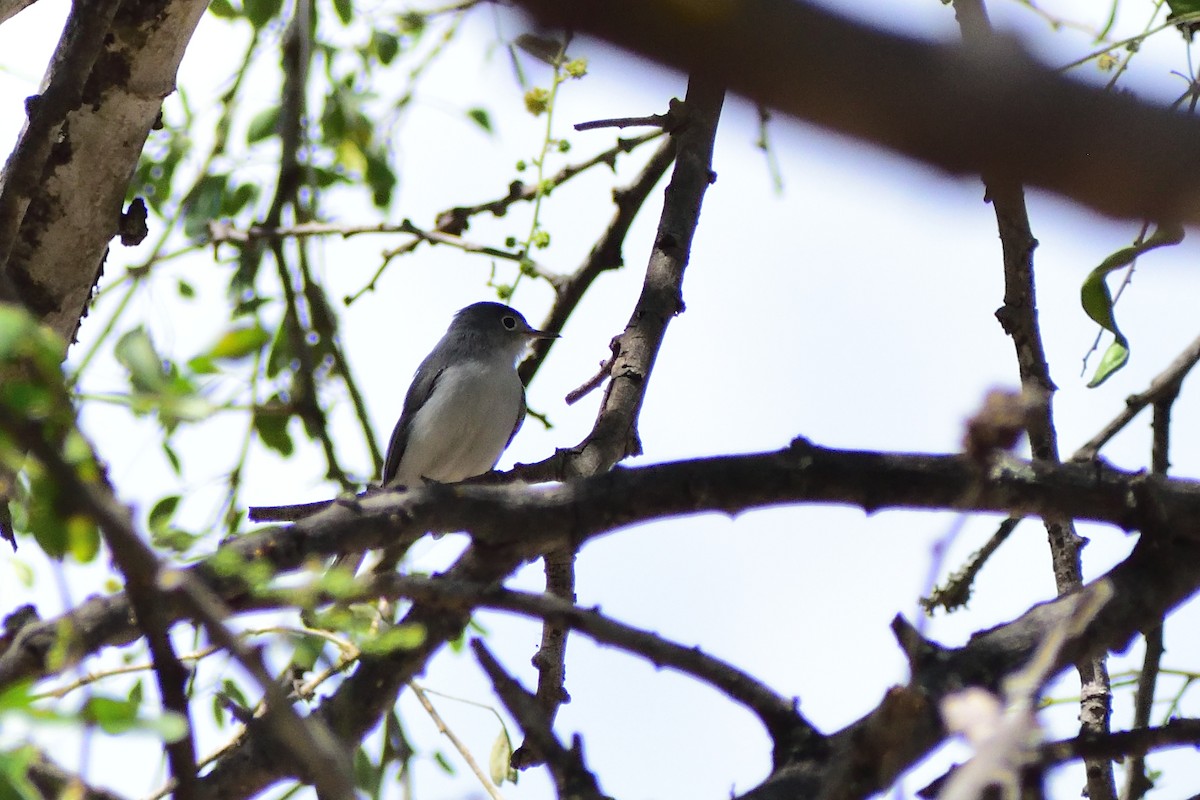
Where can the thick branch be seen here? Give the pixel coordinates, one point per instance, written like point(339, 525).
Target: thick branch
point(526, 522)
point(988, 110)
point(75, 206)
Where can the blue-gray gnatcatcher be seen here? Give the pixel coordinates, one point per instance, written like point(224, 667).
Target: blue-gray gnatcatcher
point(466, 401)
point(465, 404)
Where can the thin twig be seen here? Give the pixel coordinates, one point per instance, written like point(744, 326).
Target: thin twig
point(462, 749)
point(1165, 384)
point(594, 382)
point(571, 776)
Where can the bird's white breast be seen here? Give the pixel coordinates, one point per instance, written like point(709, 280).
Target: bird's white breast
point(464, 426)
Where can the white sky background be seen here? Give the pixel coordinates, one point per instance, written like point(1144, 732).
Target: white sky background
point(855, 309)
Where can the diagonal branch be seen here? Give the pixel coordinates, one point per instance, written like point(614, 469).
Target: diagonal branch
point(789, 730)
point(572, 779)
point(148, 584)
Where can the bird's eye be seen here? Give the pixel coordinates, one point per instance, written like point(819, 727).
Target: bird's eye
point(509, 322)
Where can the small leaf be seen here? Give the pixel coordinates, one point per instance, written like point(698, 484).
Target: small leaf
point(544, 49)
point(172, 458)
point(397, 638)
point(500, 760)
point(110, 714)
point(204, 205)
point(386, 46)
point(380, 178)
point(345, 10)
point(272, 429)
point(263, 124)
point(1097, 300)
point(260, 12)
point(440, 758)
point(202, 365)
point(83, 538)
point(239, 342)
point(223, 9)
point(16, 697)
point(160, 515)
point(1114, 358)
point(14, 774)
point(481, 118)
point(136, 353)
point(170, 726)
point(367, 775)
point(239, 198)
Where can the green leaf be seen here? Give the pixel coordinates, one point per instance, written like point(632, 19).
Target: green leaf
point(170, 726)
point(110, 714)
point(367, 775)
point(239, 198)
point(396, 638)
point(239, 342)
point(1181, 7)
point(260, 12)
point(548, 51)
point(223, 9)
point(1098, 304)
point(14, 774)
point(500, 760)
point(160, 515)
point(263, 124)
point(22, 335)
point(15, 325)
point(308, 650)
point(380, 178)
point(172, 458)
point(204, 205)
point(386, 46)
point(202, 365)
point(345, 10)
point(440, 758)
point(83, 538)
point(17, 697)
point(113, 715)
point(272, 430)
point(136, 353)
point(481, 118)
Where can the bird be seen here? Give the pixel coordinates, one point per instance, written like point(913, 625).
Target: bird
point(463, 407)
point(466, 401)
point(465, 404)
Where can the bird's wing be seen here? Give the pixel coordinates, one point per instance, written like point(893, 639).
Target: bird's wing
point(520, 419)
point(418, 393)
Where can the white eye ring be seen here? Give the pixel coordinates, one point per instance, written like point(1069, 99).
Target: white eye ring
point(509, 322)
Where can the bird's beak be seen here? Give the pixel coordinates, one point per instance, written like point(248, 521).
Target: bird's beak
point(534, 333)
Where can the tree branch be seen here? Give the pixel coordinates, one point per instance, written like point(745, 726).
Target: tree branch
point(572, 778)
point(989, 110)
point(524, 524)
point(75, 208)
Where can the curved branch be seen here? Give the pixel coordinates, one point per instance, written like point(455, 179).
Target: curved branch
point(787, 727)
